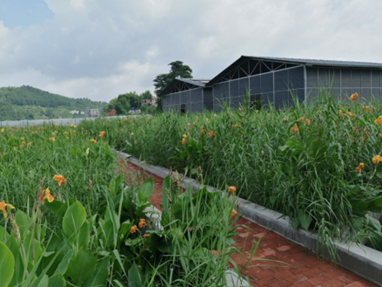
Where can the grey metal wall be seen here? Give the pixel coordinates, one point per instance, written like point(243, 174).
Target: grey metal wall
point(345, 82)
point(274, 87)
point(192, 99)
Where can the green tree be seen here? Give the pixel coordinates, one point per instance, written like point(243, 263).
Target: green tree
point(177, 69)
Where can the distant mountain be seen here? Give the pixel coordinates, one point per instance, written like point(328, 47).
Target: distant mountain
point(26, 102)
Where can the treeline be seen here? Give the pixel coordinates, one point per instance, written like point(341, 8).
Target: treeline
point(123, 103)
point(26, 102)
point(30, 96)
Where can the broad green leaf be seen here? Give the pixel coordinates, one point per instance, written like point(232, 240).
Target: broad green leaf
point(57, 281)
point(147, 189)
point(56, 207)
point(44, 282)
point(74, 218)
point(63, 266)
point(24, 222)
point(84, 235)
point(18, 275)
point(81, 267)
point(372, 222)
point(101, 274)
point(135, 277)
point(305, 219)
point(7, 265)
point(378, 201)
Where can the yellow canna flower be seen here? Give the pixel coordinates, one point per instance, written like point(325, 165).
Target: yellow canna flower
point(60, 179)
point(142, 223)
point(353, 96)
point(48, 196)
point(231, 189)
point(133, 229)
point(3, 207)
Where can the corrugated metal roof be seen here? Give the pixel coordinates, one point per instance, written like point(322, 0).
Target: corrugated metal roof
point(191, 81)
point(196, 82)
point(295, 61)
point(318, 62)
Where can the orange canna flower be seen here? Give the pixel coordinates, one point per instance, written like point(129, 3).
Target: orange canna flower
point(142, 223)
point(30, 143)
point(3, 207)
point(231, 189)
point(376, 159)
point(378, 121)
point(233, 213)
point(102, 134)
point(93, 140)
point(133, 229)
point(294, 129)
point(353, 96)
point(361, 165)
point(358, 169)
point(307, 122)
point(350, 114)
point(185, 136)
point(66, 133)
point(60, 179)
point(183, 141)
point(52, 139)
point(211, 134)
point(48, 196)
point(146, 236)
point(202, 131)
point(301, 119)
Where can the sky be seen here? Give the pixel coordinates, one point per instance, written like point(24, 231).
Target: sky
point(99, 49)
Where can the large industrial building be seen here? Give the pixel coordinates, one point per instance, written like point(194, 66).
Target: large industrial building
point(273, 81)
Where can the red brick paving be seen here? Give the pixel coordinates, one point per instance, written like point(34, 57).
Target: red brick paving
point(304, 269)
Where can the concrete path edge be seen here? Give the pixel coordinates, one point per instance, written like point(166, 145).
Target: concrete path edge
point(359, 259)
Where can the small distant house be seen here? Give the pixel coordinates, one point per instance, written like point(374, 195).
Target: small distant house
point(150, 103)
point(75, 112)
point(91, 112)
point(134, 111)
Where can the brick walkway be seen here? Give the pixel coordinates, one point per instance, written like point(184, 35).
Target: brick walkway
point(304, 269)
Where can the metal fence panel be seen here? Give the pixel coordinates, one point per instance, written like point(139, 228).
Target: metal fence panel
point(255, 85)
point(355, 78)
point(266, 83)
point(281, 81)
point(282, 99)
point(365, 79)
point(335, 78)
point(312, 77)
point(346, 78)
point(196, 95)
point(375, 78)
point(296, 78)
point(233, 88)
point(243, 86)
point(323, 77)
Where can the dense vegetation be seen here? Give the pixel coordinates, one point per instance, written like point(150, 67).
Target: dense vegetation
point(67, 220)
point(317, 164)
point(123, 103)
point(25, 102)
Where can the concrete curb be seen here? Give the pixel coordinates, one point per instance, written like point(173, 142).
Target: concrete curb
point(361, 260)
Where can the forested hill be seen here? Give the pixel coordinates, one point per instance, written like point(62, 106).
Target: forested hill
point(26, 102)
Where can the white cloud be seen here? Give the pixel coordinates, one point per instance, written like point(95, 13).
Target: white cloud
point(99, 49)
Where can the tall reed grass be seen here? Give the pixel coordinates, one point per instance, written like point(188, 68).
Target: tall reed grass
point(303, 161)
